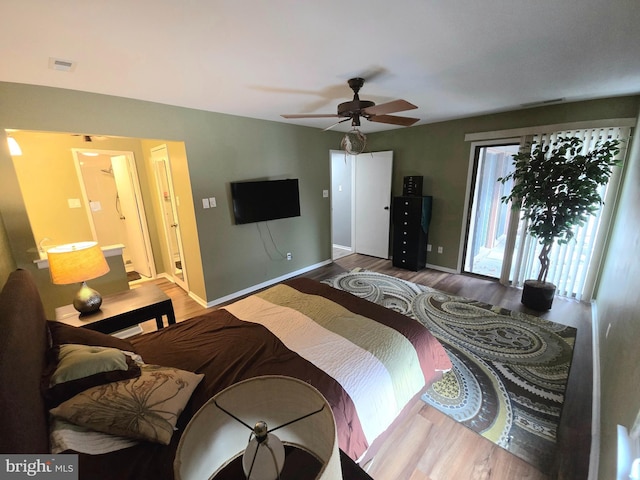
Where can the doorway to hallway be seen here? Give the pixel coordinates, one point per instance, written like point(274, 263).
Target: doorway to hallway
point(361, 203)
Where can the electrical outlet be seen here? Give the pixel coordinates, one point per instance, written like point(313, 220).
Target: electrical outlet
point(440, 250)
point(289, 256)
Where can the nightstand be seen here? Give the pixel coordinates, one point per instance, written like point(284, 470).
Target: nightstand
point(122, 310)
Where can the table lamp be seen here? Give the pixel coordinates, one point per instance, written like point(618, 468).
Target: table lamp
point(77, 263)
point(237, 424)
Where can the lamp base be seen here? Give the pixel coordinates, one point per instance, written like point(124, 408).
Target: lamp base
point(263, 459)
point(299, 465)
point(87, 300)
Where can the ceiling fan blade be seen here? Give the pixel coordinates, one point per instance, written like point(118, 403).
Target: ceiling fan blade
point(337, 123)
point(394, 120)
point(310, 115)
point(389, 107)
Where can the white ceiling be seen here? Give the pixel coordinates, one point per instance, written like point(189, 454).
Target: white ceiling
point(260, 59)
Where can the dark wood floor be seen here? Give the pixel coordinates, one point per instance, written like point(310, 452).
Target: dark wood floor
point(429, 445)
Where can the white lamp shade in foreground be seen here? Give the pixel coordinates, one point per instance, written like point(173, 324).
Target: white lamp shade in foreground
point(213, 438)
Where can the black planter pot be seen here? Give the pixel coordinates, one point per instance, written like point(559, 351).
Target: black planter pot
point(538, 295)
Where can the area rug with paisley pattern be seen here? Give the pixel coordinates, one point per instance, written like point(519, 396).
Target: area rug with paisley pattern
point(510, 369)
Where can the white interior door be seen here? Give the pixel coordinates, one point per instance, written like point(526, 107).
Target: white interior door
point(372, 214)
point(131, 215)
point(169, 205)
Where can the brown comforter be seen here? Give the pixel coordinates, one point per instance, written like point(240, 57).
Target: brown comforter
point(227, 349)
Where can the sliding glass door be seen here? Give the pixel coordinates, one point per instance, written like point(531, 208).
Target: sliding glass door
point(487, 229)
point(496, 243)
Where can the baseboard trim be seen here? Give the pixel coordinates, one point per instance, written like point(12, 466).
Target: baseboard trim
point(594, 456)
point(442, 269)
point(197, 299)
point(268, 283)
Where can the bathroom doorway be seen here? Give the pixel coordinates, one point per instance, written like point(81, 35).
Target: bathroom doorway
point(170, 221)
point(111, 191)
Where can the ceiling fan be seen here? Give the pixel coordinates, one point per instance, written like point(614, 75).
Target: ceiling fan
point(356, 109)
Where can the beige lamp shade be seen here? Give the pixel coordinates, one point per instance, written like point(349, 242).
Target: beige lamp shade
point(76, 262)
point(213, 438)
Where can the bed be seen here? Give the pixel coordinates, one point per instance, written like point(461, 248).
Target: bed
point(369, 362)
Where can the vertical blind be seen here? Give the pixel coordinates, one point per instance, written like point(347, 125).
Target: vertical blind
point(573, 265)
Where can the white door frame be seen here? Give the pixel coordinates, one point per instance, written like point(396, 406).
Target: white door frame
point(467, 207)
point(160, 154)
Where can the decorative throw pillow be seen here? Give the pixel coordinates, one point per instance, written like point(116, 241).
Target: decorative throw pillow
point(145, 408)
point(79, 361)
point(75, 368)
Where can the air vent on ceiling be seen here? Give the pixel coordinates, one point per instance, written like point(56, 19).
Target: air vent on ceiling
point(61, 65)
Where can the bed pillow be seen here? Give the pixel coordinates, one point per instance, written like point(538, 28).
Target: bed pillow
point(75, 368)
point(144, 408)
point(62, 334)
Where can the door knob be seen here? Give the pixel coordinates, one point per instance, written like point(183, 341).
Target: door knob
point(386, 208)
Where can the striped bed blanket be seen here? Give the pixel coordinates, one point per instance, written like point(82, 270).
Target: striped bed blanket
point(381, 360)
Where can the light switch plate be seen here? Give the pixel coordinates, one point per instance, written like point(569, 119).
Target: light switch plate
point(325, 193)
point(205, 203)
point(212, 202)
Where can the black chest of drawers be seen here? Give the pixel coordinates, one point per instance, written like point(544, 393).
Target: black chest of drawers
point(411, 218)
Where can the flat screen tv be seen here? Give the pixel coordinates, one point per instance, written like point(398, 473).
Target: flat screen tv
point(264, 200)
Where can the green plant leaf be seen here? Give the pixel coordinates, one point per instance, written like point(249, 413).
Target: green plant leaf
point(557, 186)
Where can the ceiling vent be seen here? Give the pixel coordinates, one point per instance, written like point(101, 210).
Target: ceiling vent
point(61, 65)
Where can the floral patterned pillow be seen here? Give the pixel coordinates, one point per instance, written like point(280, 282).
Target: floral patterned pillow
point(145, 408)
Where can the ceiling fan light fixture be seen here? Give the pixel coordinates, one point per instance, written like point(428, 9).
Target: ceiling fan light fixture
point(356, 109)
point(354, 142)
point(14, 147)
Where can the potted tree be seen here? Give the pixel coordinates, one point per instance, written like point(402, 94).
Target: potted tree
point(556, 186)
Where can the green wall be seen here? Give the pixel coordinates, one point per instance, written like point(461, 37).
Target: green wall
point(220, 149)
point(223, 148)
point(618, 306)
